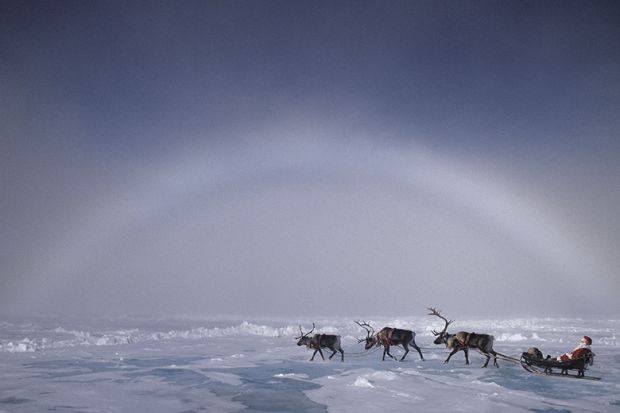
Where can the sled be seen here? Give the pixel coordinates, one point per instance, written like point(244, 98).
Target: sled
point(535, 363)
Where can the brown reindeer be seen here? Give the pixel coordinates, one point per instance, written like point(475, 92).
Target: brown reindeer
point(387, 337)
point(319, 341)
point(464, 341)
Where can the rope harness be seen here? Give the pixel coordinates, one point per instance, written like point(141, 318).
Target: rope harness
point(363, 353)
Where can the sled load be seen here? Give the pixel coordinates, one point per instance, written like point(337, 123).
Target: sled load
point(532, 360)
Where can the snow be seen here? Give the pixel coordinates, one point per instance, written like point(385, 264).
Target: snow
point(255, 365)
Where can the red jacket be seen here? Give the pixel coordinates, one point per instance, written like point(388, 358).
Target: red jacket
point(577, 353)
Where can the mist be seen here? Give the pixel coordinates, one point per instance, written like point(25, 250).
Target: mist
point(269, 160)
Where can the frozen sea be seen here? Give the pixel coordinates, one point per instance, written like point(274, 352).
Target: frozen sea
point(252, 365)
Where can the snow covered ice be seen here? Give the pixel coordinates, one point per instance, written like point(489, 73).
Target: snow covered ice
point(137, 365)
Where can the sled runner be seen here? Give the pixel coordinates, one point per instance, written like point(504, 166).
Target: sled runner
point(533, 361)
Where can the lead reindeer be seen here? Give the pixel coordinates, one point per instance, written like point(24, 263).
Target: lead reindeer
point(319, 341)
point(464, 341)
point(387, 337)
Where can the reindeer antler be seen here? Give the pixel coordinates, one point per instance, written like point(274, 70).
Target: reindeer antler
point(434, 311)
point(369, 330)
point(302, 332)
point(311, 330)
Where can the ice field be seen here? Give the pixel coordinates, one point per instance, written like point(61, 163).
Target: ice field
point(137, 365)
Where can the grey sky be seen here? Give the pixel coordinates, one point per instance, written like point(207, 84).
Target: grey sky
point(277, 158)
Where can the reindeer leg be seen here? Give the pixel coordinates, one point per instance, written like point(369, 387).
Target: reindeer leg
point(387, 351)
point(451, 354)
point(406, 351)
point(415, 346)
point(389, 354)
point(321, 353)
point(495, 359)
point(313, 354)
point(334, 352)
point(466, 351)
point(341, 354)
point(488, 358)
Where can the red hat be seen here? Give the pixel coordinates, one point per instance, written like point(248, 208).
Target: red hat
point(588, 340)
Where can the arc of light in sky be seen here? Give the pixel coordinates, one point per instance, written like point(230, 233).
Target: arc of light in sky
point(157, 191)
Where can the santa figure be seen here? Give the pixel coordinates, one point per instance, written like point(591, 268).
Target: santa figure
point(579, 351)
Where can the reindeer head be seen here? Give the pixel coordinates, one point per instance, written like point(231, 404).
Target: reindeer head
point(371, 338)
point(304, 340)
point(442, 336)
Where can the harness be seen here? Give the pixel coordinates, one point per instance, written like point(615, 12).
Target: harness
point(386, 339)
point(317, 345)
point(465, 343)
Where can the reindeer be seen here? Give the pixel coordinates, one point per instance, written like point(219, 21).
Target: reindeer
point(387, 337)
point(319, 341)
point(464, 341)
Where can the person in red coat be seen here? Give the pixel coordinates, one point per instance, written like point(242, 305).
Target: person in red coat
point(578, 352)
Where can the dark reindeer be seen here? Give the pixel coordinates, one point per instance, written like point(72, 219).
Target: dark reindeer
point(319, 341)
point(387, 337)
point(464, 341)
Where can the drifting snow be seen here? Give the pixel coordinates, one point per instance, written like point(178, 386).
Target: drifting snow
point(60, 337)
